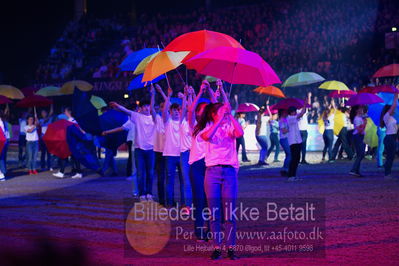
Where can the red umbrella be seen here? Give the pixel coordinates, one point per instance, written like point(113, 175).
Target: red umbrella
point(34, 101)
point(234, 65)
point(2, 140)
point(4, 100)
point(363, 99)
point(287, 103)
point(391, 70)
point(247, 107)
point(381, 88)
point(55, 138)
point(199, 41)
point(342, 94)
point(29, 91)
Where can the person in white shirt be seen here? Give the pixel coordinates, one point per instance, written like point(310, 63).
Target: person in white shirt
point(222, 165)
point(32, 143)
point(389, 122)
point(145, 122)
point(303, 129)
point(359, 123)
point(342, 140)
point(262, 123)
point(294, 140)
point(22, 140)
point(328, 117)
point(6, 131)
point(241, 141)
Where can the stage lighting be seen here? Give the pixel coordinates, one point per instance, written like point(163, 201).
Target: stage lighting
point(125, 96)
point(394, 29)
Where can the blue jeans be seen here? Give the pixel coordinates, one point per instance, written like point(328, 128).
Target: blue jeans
point(328, 137)
point(3, 158)
point(160, 170)
point(185, 171)
point(43, 154)
point(32, 148)
point(274, 144)
point(390, 149)
point(21, 145)
point(360, 150)
point(221, 190)
point(241, 141)
point(109, 161)
point(380, 149)
point(287, 151)
point(173, 163)
point(197, 177)
point(304, 136)
point(145, 170)
point(262, 140)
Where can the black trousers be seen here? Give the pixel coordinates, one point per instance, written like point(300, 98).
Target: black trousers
point(129, 160)
point(295, 158)
point(342, 140)
point(304, 136)
point(241, 141)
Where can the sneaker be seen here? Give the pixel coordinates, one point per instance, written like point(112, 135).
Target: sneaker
point(216, 254)
point(77, 175)
point(262, 163)
point(2, 177)
point(276, 161)
point(293, 179)
point(30, 172)
point(149, 197)
point(143, 198)
point(59, 175)
point(246, 161)
point(331, 161)
point(34, 172)
point(231, 255)
point(51, 169)
point(355, 174)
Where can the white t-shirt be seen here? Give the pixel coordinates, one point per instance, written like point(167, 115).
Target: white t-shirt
point(198, 147)
point(283, 124)
point(145, 131)
point(358, 121)
point(390, 124)
point(172, 138)
point(294, 135)
point(185, 136)
point(32, 136)
point(303, 122)
point(263, 131)
point(131, 130)
point(159, 140)
point(329, 122)
point(221, 149)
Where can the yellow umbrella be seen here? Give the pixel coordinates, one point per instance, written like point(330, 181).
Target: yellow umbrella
point(334, 86)
point(49, 91)
point(321, 126)
point(11, 92)
point(69, 86)
point(162, 63)
point(339, 121)
point(371, 138)
point(98, 102)
point(141, 66)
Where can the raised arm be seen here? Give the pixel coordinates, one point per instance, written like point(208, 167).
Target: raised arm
point(115, 130)
point(183, 96)
point(120, 108)
point(152, 102)
point(165, 111)
point(394, 104)
point(160, 91)
point(208, 134)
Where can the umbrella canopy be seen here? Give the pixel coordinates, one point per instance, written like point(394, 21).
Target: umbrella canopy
point(270, 90)
point(4, 100)
point(85, 113)
point(133, 60)
point(109, 120)
point(55, 138)
point(49, 91)
point(28, 91)
point(3, 140)
point(247, 107)
point(162, 63)
point(210, 78)
point(234, 65)
point(142, 65)
point(387, 97)
point(97, 102)
point(302, 78)
point(82, 148)
point(374, 112)
point(364, 99)
point(288, 102)
point(341, 94)
point(11, 92)
point(370, 136)
point(391, 70)
point(381, 88)
point(137, 82)
point(34, 101)
point(200, 41)
point(334, 85)
point(69, 87)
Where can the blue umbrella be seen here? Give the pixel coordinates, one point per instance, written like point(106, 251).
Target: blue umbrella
point(82, 148)
point(85, 113)
point(374, 110)
point(109, 120)
point(136, 83)
point(132, 60)
point(204, 100)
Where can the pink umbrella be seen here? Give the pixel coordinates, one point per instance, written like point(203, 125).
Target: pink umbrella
point(342, 94)
point(247, 107)
point(391, 70)
point(287, 103)
point(234, 65)
point(363, 99)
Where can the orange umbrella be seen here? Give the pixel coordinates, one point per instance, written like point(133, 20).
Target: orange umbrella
point(162, 63)
point(270, 90)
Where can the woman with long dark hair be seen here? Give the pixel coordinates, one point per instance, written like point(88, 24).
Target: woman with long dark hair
point(328, 135)
point(359, 122)
point(389, 122)
point(220, 134)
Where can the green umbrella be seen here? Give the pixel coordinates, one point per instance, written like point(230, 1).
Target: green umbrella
point(98, 102)
point(302, 78)
point(49, 91)
point(210, 79)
